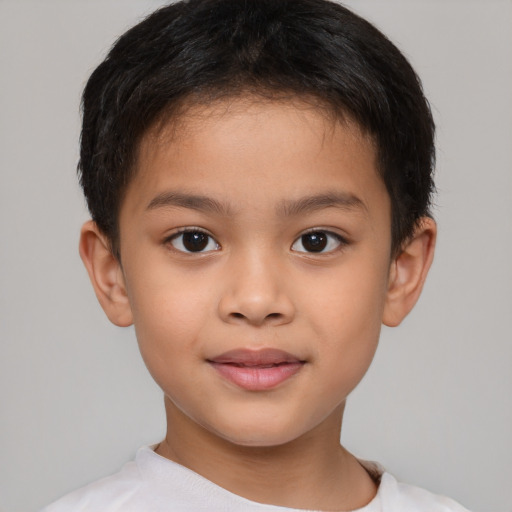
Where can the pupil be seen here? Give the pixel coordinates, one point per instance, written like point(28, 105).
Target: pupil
point(195, 241)
point(314, 242)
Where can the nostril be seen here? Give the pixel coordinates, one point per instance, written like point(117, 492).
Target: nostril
point(270, 316)
point(255, 310)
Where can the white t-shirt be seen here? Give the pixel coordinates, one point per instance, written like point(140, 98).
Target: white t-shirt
point(152, 483)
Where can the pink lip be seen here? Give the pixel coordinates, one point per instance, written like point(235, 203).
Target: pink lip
point(257, 370)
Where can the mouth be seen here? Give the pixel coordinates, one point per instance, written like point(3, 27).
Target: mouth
point(257, 370)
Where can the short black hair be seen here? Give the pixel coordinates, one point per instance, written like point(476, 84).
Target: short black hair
point(202, 50)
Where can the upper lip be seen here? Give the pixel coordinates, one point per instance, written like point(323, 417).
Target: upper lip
point(258, 357)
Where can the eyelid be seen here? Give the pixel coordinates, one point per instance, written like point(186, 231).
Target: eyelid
point(186, 229)
point(321, 229)
point(342, 240)
point(190, 229)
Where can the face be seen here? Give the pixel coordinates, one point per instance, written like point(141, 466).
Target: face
point(255, 248)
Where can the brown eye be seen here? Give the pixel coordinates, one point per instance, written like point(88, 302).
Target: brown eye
point(194, 241)
point(318, 241)
point(314, 242)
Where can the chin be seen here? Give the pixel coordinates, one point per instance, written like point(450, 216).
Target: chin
point(260, 441)
point(258, 435)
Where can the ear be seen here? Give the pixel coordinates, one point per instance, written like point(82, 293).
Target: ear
point(408, 272)
point(106, 274)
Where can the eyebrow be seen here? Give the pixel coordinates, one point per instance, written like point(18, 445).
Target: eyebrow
point(343, 200)
point(195, 202)
point(289, 207)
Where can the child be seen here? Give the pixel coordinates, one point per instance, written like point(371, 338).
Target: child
point(259, 175)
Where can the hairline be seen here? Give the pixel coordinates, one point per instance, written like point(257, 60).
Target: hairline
point(166, 124)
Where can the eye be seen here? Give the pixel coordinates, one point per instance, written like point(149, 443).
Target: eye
point(318, 242)
point(193, 240)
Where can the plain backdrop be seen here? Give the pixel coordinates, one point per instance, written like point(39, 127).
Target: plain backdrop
point(76, 401)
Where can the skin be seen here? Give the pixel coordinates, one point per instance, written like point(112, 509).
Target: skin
point(257, 286)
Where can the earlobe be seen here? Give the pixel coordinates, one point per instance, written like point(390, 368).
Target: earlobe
point(106, 274)
point(408, 272)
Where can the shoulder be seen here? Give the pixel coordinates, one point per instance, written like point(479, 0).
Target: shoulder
point(400, 497)
point(109, 494)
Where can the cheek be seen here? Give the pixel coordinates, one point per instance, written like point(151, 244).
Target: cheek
point(348, 314)
point(170, 312)
point(349, 300)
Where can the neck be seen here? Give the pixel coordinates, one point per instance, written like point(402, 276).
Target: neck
point(312, 472)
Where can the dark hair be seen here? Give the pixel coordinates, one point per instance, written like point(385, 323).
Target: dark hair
point(202, 50)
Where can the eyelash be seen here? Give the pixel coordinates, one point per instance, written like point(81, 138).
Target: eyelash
point(339, 240)
point(191, 230)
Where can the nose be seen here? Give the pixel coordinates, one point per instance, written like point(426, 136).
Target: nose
point(255, 292)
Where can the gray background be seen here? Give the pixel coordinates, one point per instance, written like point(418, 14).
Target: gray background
point(76, 401)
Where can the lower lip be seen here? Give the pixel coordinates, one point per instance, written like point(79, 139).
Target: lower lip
point(257, 378)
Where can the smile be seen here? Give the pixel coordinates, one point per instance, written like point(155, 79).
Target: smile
point(256, 370)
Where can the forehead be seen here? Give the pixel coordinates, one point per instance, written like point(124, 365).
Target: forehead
point(224, 117)
point(278, 149)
